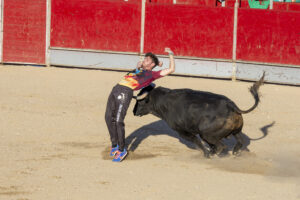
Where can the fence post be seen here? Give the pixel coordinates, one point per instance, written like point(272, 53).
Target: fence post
point(235, 23)
point(223, 3)
point(142, 27)
point(271, 4)
point(48, 34)
point(1, 29)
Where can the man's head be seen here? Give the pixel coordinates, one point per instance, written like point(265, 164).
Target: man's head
point(142, 105)
point(150, 61)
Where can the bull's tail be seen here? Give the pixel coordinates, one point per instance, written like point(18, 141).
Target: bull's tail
point(254, 91)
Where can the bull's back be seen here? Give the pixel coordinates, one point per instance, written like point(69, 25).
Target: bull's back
point(197, 99)
point(194, 110)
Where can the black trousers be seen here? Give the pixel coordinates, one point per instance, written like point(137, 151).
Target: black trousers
point(116, 109)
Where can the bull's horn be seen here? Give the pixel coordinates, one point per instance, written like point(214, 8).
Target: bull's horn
point(142, 96)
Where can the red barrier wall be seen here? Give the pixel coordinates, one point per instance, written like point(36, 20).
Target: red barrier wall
point(283, 6)
point(242, 3)
point(24, 31)
point(211, 3)
point(286, 6)
point(268, 36)
point(189, 30)
point(93, 24)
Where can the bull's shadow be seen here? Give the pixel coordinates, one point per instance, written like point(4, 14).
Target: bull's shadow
point(160, 127)
point(230, 142)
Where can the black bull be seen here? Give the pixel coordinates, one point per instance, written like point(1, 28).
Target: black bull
point(196, 113)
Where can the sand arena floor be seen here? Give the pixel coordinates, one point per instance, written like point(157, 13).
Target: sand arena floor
point(54, 142)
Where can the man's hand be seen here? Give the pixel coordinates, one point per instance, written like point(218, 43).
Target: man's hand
point(139, 65)
point(171, 68)
point(169, 51)
point(160, 64)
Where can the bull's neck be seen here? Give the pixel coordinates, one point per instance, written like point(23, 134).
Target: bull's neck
point(157, 113)
point(157, 97)
point(158, 109)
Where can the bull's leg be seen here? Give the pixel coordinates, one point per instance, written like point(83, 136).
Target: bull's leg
point(213, 149)
point(207, 148)
point(216, 144)
point(193, 138)
point(240, 142)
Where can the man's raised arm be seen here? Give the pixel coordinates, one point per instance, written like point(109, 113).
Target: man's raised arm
point(171, 68)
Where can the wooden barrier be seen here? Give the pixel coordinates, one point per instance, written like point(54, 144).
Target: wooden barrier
point(191, 30)
point(24, 31)
point(96, 24)
point(268, 36)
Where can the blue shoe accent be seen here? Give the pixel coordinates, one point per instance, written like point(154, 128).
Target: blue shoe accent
point(114, 150)
point(120, 155)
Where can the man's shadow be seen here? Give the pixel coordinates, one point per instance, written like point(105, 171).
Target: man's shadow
point(160, 127)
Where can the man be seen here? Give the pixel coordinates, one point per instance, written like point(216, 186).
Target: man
point(121, 95)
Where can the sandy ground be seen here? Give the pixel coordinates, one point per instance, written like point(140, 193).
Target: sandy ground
point(54, 142)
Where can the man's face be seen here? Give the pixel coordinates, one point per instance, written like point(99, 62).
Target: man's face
point(148, 64)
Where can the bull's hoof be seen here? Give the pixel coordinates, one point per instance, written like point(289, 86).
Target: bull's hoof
point(207, 154)
point(223, 155)
point(237, 153)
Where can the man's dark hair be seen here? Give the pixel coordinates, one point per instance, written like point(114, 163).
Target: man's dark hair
point(153, 57)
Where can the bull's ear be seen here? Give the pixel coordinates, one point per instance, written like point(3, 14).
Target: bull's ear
point(142, 96)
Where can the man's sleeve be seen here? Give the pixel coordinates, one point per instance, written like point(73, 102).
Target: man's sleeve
point(156, 74)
